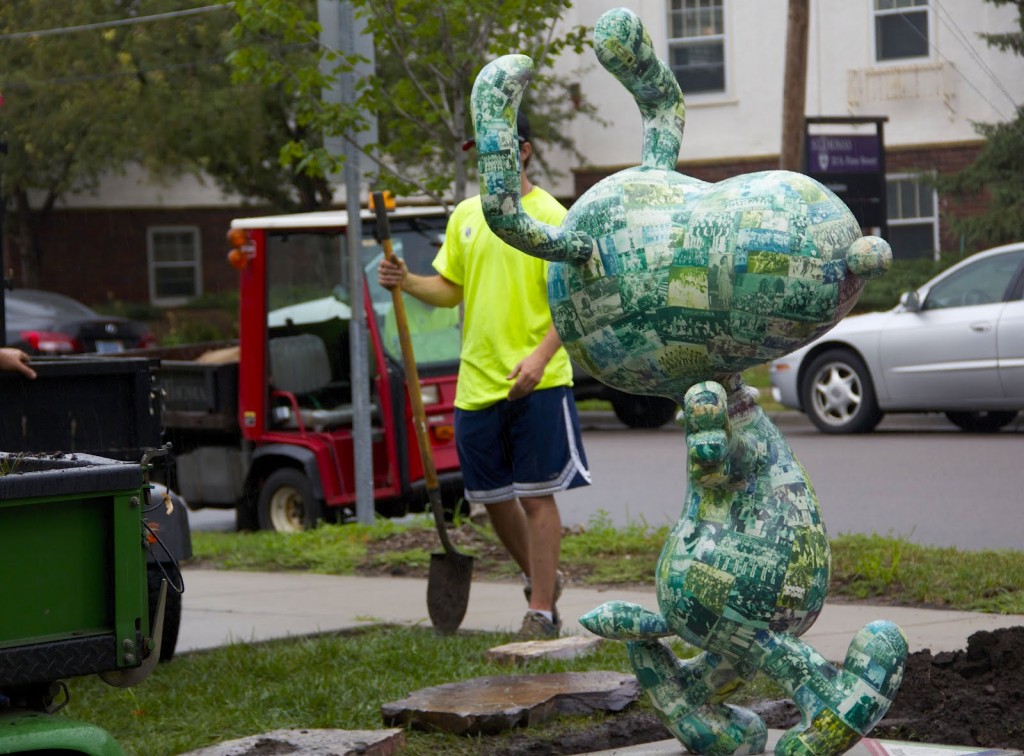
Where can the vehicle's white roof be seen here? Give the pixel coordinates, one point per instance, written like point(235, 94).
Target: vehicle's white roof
point(331, 218)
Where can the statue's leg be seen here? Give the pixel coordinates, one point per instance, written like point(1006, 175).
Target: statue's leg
point(687, 696)
point(839, 707)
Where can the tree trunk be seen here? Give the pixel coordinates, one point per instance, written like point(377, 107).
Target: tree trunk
point(794, 87)
point(29, 253)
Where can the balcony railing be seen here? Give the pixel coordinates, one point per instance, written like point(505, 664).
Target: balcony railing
point(924, 81)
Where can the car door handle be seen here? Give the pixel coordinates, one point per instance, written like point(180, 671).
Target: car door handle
point(981, 327)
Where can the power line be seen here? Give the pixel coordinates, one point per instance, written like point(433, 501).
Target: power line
point(208, 62)
point(950, 23)
point(11, 86)
point(117, 22)
point(952, 65)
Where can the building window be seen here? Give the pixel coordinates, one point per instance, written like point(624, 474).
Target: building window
point(174, 265)
point(913, 220)
point(901, 29)
point(696, 45)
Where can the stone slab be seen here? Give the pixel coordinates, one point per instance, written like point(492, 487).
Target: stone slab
point(488, 705)
point(522, 652)
point(312, 743)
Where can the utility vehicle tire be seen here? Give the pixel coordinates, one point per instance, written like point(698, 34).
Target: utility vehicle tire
point(838, 395)
point(642, 411)
point(287, 503)
point(980, 422)
point(172, 610)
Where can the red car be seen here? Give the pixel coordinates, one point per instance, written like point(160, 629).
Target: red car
point(44, 322)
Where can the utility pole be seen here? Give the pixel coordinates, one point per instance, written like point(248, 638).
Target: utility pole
point(343, 31)
point(794, 86)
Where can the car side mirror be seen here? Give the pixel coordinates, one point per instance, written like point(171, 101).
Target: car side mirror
point(910, 301)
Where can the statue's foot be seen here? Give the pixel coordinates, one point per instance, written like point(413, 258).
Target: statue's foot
point(838, 715)
point(621, 620)
point(680, 692)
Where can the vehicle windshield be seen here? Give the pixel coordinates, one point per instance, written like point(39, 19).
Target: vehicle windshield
point(40, 305)
point(307, 291)
point(434, 331)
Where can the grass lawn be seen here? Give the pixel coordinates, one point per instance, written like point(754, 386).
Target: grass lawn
point(341, 680)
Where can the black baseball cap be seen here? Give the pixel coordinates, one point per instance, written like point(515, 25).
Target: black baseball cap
point(522, 126)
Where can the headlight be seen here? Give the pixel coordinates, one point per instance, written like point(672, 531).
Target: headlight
point(430, 394)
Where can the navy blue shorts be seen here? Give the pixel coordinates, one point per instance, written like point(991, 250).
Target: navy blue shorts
point(529, 447)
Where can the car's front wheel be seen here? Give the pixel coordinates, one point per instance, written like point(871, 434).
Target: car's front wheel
point(838, 395)
point(287, 503)
point(638, 411)
point(980, 422)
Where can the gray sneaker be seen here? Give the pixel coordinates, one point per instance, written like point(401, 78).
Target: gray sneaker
point(538, 627)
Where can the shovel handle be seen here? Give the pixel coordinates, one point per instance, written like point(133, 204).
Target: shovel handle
point(412, 379)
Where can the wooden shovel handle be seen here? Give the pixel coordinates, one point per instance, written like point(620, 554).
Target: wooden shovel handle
point(412, 379)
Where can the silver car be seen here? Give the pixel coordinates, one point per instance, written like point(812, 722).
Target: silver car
point(956, 345)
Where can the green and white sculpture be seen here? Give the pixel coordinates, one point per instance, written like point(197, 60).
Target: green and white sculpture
point(665, 285)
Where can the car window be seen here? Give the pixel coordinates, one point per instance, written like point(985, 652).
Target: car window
point(982, 282)
point(45, 304)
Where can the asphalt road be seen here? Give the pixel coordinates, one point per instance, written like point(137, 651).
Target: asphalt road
point(916, 477)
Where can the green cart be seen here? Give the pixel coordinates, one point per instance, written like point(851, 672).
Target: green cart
point(73, 593)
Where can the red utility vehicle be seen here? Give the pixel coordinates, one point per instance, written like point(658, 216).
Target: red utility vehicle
point(265, 426)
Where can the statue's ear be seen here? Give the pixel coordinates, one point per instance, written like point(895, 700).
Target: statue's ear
point(869, 257)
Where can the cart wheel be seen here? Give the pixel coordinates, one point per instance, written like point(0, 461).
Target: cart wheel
point(172, 611)
point(287, 504)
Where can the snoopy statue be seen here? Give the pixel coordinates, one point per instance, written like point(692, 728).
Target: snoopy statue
point(661, 284)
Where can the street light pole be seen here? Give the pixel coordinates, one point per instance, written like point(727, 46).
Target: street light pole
point(342, 31)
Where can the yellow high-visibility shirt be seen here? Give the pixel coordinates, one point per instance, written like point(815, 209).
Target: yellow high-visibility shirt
point(505, 300)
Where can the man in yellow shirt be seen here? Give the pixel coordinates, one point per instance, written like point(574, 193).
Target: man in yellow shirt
point(516, 425)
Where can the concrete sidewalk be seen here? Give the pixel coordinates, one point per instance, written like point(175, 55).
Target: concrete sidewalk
point(225, 606)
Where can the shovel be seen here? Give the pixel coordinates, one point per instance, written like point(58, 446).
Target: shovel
point(450, 571)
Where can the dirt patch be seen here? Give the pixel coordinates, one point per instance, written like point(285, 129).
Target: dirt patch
point(383, 557)
point(492, 559)
point(971, 697)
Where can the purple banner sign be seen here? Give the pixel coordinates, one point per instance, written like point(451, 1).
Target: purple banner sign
point(838, 153)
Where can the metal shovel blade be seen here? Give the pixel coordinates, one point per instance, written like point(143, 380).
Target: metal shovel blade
point(448, 590)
